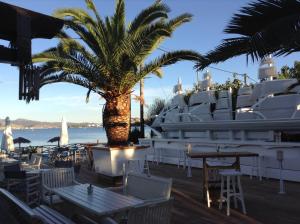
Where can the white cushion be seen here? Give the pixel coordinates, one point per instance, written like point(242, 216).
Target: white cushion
point(224, 114)
point(244, 101)
point(202, 111)
point(276, 86)
point(178, 100)
point(223, 103)
point(202, 97)
point(246, 90)
point(224, 94)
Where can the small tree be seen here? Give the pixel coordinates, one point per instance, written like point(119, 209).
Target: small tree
point(155, 108)
point(287, 72)
point(235, 85)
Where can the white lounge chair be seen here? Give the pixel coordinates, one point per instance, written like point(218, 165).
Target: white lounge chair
point(55, 178)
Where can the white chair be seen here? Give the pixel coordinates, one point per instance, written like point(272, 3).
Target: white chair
point(150, 213)
point(34, 163)
point(55, 178)
point(147, 188)
point(256, 167)
point(233, 183)
point(182, 158)
point(134, 165)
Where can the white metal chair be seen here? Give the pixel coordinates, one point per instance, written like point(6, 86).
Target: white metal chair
point(233, 183)
point(55, 178)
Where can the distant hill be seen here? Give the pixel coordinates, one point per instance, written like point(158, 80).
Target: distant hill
point(28, 124)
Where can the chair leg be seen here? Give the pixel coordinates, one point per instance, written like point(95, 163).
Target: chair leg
point(221, 193)
point(208, 198)
point(228, 195)
point(241, 195)
point(234, 192)
point(259, 168)
point(189, 169)
point(160, 156)
point(146, 167)
point(179, 158)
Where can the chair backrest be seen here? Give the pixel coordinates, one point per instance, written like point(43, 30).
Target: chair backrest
point(151, 213)
point(32, 159)
point(15, 174)
point(38, 161)
point(19, 209)
point(13, 167)
point(58, 177)
point(148, 187)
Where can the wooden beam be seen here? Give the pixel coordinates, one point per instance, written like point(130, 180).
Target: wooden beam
point(8, 55)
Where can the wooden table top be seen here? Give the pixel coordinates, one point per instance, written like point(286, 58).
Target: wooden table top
point(100, 202)
point(221, 154)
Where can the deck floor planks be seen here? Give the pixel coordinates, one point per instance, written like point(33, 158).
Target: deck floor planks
point(263, 203)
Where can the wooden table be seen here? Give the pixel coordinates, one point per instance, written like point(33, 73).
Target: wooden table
point(204, 155)
point(101, 202)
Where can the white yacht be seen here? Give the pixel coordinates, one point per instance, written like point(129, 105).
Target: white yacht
point(263, 118)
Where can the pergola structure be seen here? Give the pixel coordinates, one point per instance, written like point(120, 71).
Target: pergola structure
point(19, 26)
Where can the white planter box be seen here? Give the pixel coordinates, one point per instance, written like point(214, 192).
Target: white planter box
point(109, 160)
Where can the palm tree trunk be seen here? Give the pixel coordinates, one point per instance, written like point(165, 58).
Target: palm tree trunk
point(116, 119)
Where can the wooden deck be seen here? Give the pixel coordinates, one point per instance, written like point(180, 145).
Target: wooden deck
point(263, 203)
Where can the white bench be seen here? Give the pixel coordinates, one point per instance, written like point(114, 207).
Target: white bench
point(40, 214)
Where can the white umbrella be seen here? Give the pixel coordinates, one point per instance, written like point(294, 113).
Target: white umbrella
point(7, 143)
point(64, 136)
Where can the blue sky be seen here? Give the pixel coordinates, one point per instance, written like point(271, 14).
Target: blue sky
point(202, 35)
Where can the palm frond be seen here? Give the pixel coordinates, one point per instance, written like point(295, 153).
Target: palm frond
point(149, 15)
point(229, 48)
point(167, 59)
point(263, 27)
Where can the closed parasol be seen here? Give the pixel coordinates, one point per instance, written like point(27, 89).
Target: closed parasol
point(7, 143)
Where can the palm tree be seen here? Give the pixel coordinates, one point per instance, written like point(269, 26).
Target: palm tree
point(261, 28)
point(109, 57)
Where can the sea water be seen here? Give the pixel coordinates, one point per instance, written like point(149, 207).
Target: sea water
point(40, 137)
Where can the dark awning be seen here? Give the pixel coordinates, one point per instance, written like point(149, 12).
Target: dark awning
point(42, 26)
